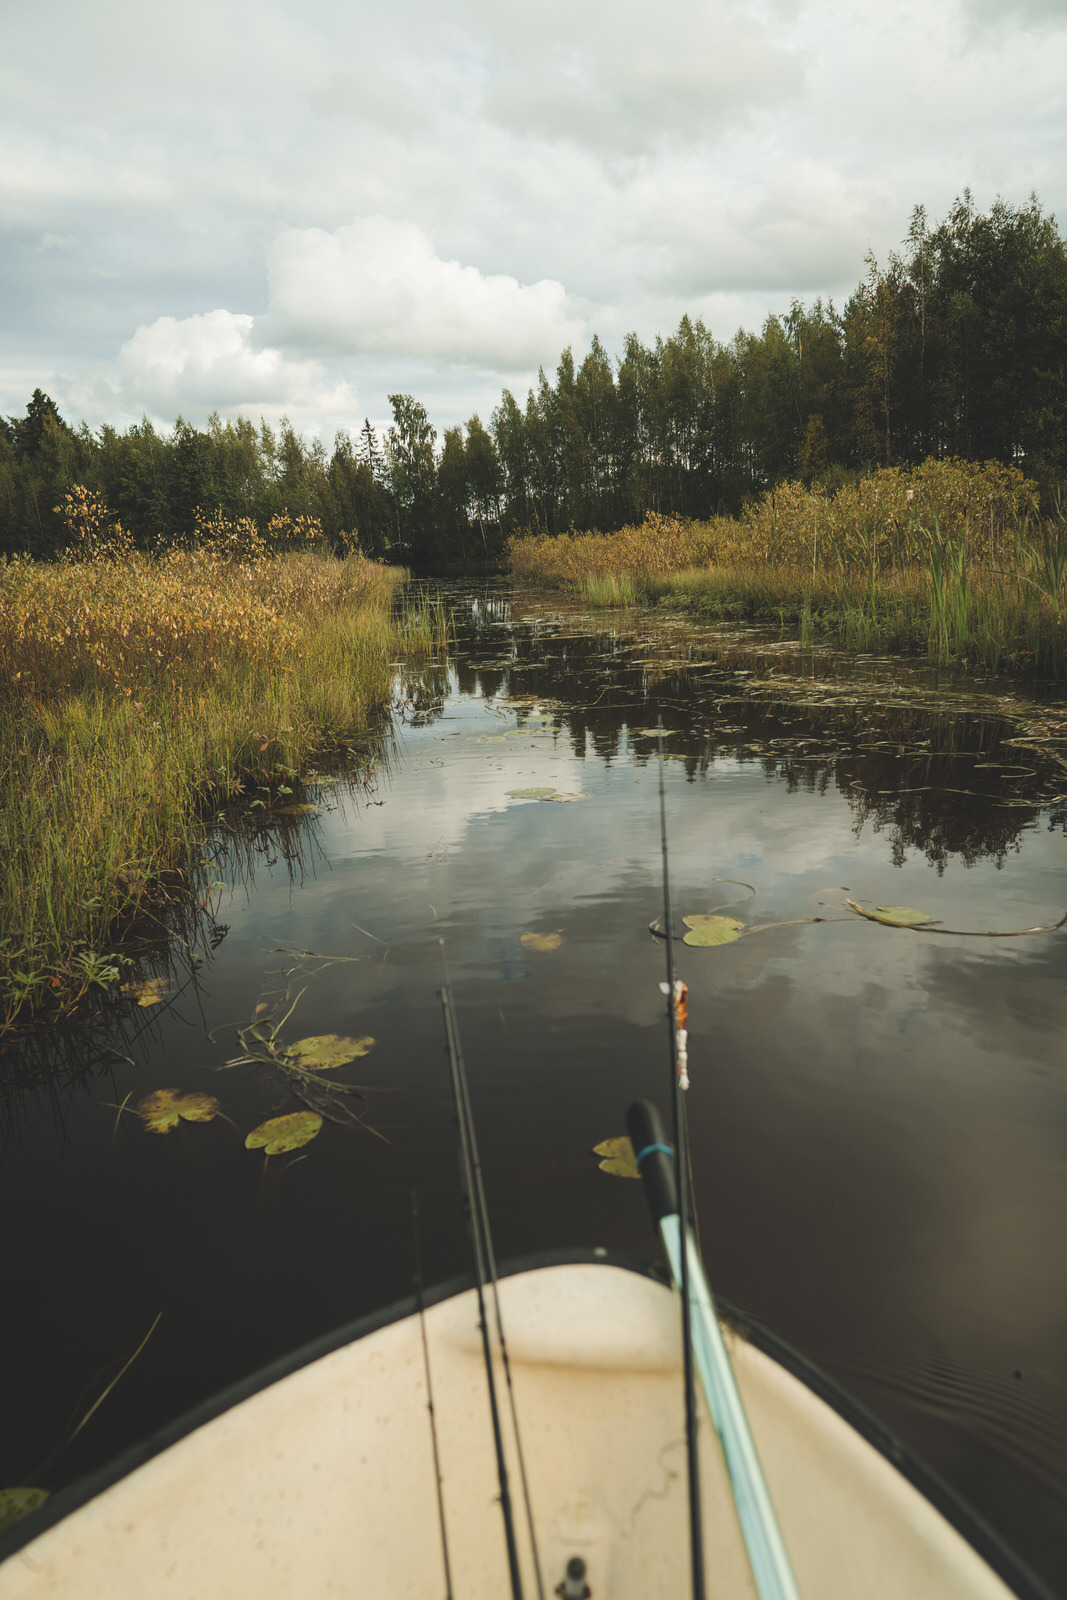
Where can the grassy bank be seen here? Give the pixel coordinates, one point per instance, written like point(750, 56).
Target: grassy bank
point(137, 695)
point(949, 559)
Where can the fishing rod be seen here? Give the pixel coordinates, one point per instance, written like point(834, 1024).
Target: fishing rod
point(486, 1274)
point(429, 1396)
point(679, 1063)
point(668, 1195)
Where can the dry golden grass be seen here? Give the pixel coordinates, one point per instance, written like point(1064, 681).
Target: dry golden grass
point(949, 558)
point(136, 693)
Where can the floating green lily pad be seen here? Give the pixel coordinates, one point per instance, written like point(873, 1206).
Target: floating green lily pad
point(564, 797)
point(161, 1112)
point(325, 1051)
point(617, 1157)
point(893, 916)
point(531, 794)
point(280, 1134)
point(18, 1503)
point(707, 931)
point(906, 916)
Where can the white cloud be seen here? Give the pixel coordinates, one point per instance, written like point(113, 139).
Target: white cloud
point(379, 286)
point(211, 361)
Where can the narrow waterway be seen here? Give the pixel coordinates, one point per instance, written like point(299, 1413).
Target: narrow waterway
point(879, 1114)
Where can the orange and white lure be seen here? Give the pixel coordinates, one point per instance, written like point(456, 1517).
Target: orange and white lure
point(681, 1036)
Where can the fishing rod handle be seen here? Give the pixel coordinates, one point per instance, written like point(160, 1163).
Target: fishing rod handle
point(655, 1159)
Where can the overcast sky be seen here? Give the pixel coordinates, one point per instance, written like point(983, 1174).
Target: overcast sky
point(298, 208)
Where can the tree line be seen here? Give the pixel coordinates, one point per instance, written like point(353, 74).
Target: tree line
point(955, 346)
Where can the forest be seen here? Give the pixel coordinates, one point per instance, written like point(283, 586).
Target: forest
point(955, 347)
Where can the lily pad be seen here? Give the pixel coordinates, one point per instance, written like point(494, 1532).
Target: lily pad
point(542, 941)
point(531, 794)
point(617, 1157)
point(707, 931)
point(18, 1503)
point(325, 1051)
point(280, 1134)
point(162, 1111)
point(906, 915)
point(894, 916)
point(563, 797)
point(295, 811)
point(148, 991)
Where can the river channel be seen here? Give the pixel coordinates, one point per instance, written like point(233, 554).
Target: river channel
point(878, 1113)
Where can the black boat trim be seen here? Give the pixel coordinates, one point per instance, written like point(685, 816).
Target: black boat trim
point(971, 1527)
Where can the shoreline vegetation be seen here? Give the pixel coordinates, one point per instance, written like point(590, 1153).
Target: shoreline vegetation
point(950, 559)
point(140, 695)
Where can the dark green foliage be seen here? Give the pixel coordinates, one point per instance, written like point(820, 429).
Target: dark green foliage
point(956, 347)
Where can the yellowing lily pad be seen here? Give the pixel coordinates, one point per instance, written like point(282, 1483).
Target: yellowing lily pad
point(566, 797)
point(542, 941)
point(617, 1157)
point(531, 794)
point(893, 916)
point(325, 1051)
point(284, 1133)
point(18, 1503)
point(707, 931)
point(148, 991)
point(162, 1111)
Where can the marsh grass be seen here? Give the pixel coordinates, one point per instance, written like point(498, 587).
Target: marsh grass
point(140, 694)
point(947, 560)
point(609, 590)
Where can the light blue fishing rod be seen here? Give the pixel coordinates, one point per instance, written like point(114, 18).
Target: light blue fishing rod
point(759, 1525)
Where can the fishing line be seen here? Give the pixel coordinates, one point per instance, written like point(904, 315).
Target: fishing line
point(680, 1081)
point(485, 1271)
point(429, 1395)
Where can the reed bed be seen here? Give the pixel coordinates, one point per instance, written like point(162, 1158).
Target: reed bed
point(949, 559)
point(140, 693)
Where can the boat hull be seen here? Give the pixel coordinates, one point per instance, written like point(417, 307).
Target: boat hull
point(322, 1481)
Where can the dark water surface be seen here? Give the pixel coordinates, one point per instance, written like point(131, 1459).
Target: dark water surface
point(879, 1116)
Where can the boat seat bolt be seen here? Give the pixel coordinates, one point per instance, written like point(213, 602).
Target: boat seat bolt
point(574, 1586)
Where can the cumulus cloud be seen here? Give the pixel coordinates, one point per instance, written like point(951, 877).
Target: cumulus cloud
point(211, 361)
point(378, 286)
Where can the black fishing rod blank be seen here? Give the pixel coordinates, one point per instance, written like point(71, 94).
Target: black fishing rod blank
point(494, 1288)
point(678, 1057)
point(429, 1396)
point(485, 1272)
point(466, 1160)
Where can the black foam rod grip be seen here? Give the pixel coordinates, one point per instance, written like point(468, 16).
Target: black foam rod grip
point(655, 1159)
